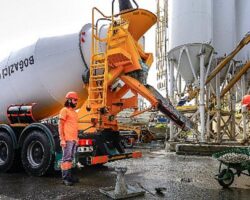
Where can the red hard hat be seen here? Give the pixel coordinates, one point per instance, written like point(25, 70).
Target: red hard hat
point(71, 95)
point(246, 100)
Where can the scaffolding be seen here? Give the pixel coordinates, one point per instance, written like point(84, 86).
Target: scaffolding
point(161, 45)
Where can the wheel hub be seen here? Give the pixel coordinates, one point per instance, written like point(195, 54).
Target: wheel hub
point(35, 153)
point(227, 178)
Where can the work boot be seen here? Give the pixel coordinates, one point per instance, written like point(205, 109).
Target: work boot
point(67, 179)
point(73, 177)
point(68, 182)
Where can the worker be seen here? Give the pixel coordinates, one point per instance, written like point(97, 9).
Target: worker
point(182, 101)
point(245, 102)
point(68, 132)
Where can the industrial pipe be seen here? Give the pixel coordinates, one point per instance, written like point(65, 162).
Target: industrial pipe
point(125, 5)
point(235, 79)
point(226, 60)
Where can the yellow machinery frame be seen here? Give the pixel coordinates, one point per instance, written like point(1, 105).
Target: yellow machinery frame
point(123, 55)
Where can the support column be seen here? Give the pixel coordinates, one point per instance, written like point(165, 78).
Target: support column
point(233, 105)
point(202, 98)
point(166, 74)
point(244, 111)
point(179, 87)
point(171, 94)
point(218, 107)
point(208, 116)
point(232, 113)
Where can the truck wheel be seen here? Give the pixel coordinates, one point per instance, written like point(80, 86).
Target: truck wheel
point(7, 152)
point(36, 154)
point(226, 178)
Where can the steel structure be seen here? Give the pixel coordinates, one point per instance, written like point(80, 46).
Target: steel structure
point(201, 37)
point(161, 45)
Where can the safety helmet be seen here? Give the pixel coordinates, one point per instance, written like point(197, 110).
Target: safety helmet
point(246, 100)
point(71, 95)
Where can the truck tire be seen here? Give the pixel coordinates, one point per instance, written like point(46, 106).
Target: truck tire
point(36, 153)
point(7, 152)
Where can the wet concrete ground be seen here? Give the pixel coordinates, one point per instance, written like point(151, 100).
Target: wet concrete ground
point(184, 177)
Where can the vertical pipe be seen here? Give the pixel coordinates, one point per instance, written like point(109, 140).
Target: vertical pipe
point(232, 106)
point(171, 94)
point(202, 97)
point(179, 87)
point(218, 106)
point(232, 113)
point(244, 113)
point(125, 5)
point(166, 41)
point(208, 116)
point(168, 77)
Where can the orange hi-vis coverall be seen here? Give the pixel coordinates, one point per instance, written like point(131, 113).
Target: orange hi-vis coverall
point(68, 132)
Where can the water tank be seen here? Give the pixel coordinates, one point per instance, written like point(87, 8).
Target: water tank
point(224, 27)
point(44, 72)
point(242, 27)
point(189, 22)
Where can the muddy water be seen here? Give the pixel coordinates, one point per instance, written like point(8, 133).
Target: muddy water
point(183, 177)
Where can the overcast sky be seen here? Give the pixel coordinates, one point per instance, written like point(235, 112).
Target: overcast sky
point(22, 22)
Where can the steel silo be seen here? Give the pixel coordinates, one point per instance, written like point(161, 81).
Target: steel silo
point(224, 26)
point(190, 25)
point(189, 22)
point(243, 27)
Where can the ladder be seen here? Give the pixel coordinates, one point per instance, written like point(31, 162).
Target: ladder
point(98, 74)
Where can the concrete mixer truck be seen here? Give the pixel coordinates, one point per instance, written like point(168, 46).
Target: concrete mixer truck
point(35, 79)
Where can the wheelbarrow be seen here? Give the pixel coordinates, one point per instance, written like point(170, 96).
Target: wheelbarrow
point(234, 161)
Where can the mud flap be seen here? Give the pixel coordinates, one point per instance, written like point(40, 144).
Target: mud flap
point(106, 142)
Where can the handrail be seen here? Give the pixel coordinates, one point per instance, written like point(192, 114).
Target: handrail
point(95, 28)
point(108, 18)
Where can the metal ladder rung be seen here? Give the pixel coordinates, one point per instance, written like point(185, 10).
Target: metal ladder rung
point(100, 58)
point(100, 91)
point(99, 99)
point(96, 90)
point(97, 64)
point(97, 68)
point(97, 79)
point(98, 76)
point(92, 88)
point(95, 87)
